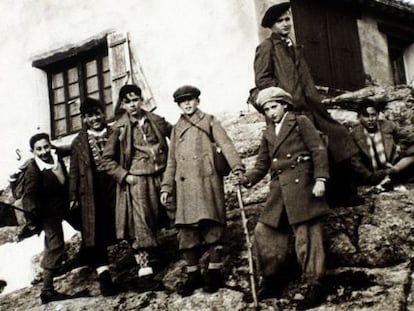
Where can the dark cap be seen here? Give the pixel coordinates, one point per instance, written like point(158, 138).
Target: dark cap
point(90, 105)
point(273, 13)
point(186, 92)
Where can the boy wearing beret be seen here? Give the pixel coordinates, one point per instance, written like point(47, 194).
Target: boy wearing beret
point(280, 62)
point(293, 151)
point(136, 156)
point(200, 212)
point(92, 191)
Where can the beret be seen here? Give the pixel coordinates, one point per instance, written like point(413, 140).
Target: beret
point(273, 93)
point(90, 105)
point(186, 92)
point(273, 13)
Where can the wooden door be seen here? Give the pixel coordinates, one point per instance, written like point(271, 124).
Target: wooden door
point(329, 32)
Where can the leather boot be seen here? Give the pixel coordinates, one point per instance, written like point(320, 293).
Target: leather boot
point(194, 281)
point(213, 280)
point(106, 285)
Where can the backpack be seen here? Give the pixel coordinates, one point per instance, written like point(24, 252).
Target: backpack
point(16, 180)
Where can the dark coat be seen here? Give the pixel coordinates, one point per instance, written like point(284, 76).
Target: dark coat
point(43, 194)
point(117, 158)
point(83, 187)
point(275, 66)
point(392, 136)
point(190, 167)
point(292, 179)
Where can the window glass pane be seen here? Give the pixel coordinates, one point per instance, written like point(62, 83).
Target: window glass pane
point(73, 75)
point(59, 95)
point(91, 69)
point(108, 95)
point(76, 123)
point(109, 111)
point(73, 90)
point(60, 111)
point(74, 107)
point(106, 79)
point(57, 80)
point(60, 127)
point(105, 63)
point(94, 95)
point(92, 84)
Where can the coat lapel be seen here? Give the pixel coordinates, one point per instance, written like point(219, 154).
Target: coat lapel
point(287, 126)
point(361, 140)
point(183, 125)
point(83, 147)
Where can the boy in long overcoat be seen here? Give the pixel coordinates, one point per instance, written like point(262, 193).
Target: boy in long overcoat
point(293, 151)
point(280, 62)
point(200, 212)
point(93, 192)
point(136, 156)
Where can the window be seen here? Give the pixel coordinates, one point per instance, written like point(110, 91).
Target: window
point(71, 80)
point(396, 52)
point(96, 69)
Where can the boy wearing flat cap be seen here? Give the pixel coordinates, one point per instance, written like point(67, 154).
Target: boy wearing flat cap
point(92, 191)
point(293, 151)
point(280, 62)
point(200, 212)
point(136, 156)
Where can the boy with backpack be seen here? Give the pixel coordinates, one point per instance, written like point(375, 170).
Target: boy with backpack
point(200, 212)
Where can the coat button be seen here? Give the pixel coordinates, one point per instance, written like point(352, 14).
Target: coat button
point(279, 171)
point(292, 166)
point(182, 178)
point(275, 160)
point(180, 140)
point(296, 181)
point(288, 156)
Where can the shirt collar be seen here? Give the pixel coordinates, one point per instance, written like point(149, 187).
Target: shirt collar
point(42, 165)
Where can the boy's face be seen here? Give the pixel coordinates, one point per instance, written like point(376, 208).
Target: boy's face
point(369, 119)
point(283, 24)
point(189, 106)
point(94, 120)
point(131, 103)
point(41, 149)
point(274, 110)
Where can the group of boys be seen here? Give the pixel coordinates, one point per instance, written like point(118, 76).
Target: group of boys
point(120, 176)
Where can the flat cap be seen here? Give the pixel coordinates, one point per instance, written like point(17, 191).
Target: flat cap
point(186, 92)
point(273, 13)
point(273, 93)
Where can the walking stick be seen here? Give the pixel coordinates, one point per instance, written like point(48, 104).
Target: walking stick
point(249, 246)
point(15, 207)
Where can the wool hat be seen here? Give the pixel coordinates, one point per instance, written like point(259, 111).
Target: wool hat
point(273, 93)
point(273, 13)
point(90, 105)
point(186, 92)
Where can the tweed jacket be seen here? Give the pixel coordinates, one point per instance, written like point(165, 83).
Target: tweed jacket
point(295, 158)
point(190, 169)
point(117, 157)
point(393, 138)
point(275, 66)
point(82, 188)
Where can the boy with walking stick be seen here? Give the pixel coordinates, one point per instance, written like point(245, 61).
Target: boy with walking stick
point(293, 151)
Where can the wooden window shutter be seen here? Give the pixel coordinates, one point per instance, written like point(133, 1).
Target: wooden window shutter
point(125, 69)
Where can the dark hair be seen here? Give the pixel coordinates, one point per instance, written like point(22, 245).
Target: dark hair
point(126, 89)
point(35, 138)
point(90, 105)
point(365, 104)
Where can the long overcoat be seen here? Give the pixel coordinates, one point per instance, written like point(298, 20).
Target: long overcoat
point(295, 158)
point(82, 189)
point(117, 158)
point(190, 167)
point(276, 65)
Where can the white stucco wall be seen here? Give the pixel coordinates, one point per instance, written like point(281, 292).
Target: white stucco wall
point(374, 50)
point(208, 43)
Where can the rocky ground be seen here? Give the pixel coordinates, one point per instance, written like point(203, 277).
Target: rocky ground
point(370, 250)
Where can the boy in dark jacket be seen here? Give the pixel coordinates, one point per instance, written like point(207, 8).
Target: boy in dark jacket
point(92, 191)
point(293, 151)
